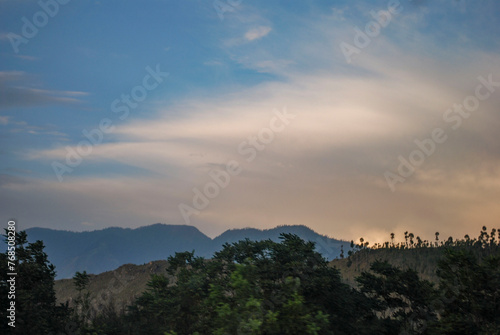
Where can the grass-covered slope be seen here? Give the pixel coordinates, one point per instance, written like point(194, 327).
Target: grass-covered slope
point(422, 260)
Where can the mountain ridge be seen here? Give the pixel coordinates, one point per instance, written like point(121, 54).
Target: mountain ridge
point(103, 250)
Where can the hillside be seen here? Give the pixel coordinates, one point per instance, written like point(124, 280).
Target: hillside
point(422, 260)
point(104, 250)
point(119, 287)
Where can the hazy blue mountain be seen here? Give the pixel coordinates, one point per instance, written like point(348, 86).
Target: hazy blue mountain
point(103, 250)
point(328, 247)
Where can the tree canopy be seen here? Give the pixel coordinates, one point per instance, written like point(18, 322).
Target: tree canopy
point(266, 287)
point(35, 300)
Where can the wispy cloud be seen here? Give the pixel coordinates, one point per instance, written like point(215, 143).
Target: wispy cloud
point(338, 14)
point(326, 169)
point(11, 75)
point(257, 33)
point(15, 93)
point(26, 57)
point(330, 162)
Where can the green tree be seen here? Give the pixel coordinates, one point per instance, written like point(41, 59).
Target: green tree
point(252, 287)
point(470, 286)
point(35, 300)
point(241, 311)
point(83, 310)
point(177, 306)
point(403, 301)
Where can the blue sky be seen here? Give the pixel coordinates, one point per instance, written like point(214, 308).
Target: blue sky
point(232, 65)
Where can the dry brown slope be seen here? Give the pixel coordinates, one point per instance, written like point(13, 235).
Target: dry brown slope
point(119, 287)
point(422, 260)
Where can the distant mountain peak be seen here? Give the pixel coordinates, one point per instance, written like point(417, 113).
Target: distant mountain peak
point(107, 249)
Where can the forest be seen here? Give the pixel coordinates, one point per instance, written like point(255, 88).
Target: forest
point(266, 287)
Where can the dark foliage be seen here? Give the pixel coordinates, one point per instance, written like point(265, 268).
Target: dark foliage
point(35, 300)
point(266, 287)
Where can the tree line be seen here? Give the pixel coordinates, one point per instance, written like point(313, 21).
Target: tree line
point(266, 287)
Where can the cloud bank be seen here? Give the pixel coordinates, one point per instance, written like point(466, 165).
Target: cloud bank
point(326, 169)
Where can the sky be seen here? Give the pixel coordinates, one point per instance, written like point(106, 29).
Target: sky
point(355, 118)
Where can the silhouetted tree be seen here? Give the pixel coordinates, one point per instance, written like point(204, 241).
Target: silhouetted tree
point(35, 300)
